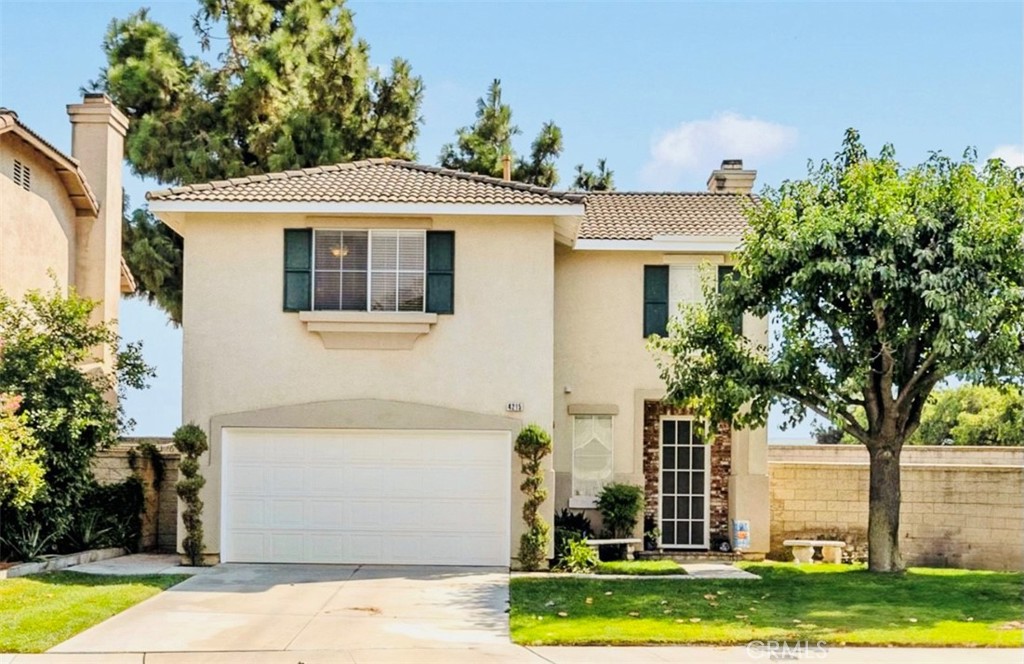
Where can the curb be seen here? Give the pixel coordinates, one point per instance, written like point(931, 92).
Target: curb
point(53, 563)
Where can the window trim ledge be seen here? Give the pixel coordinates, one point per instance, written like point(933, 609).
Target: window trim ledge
point(361, 330)
point(583, 502)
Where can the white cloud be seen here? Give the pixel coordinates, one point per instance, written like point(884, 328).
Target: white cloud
point(699, 146)
point(1013, 155)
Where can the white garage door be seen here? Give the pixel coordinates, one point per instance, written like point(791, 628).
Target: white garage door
point(384, 497)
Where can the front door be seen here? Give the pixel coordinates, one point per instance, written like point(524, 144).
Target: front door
point(685, 471)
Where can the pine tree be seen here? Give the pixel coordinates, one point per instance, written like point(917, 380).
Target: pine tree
point(293, 87)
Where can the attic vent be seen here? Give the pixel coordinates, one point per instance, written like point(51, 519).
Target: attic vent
point(22, 176)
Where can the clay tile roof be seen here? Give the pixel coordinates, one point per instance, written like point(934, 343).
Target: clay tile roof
point(66, 167)
point(370, 180)
point(644, 215)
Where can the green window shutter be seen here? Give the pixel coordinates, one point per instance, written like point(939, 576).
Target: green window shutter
point(655, 300)
point(298, 268)
point(441, 272)
point(725, 272)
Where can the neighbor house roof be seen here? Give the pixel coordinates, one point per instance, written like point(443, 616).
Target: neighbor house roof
point(623, 215)
point(67, 168)
point(371, 180)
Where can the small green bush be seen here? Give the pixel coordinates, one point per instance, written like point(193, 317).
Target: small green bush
point(25, 542)
point(620, 506)
point(190, 441)
point(532, 445)
point(579, 557)
point(570, 526)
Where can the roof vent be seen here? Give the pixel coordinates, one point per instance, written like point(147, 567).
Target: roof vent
point(22, 176)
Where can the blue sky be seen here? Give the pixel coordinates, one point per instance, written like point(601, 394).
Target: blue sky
point(663, 91)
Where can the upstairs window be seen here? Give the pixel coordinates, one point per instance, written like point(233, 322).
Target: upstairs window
point(666, 287)
point(375, 270)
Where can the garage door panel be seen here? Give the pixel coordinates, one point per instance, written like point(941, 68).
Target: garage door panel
point(249, 545)
point(287, 547)
point(325, 480)
point(325, 548)
point(249, 513)
point(365, 514)
point(361, 481)
point(285, 480)
point(247, 479)
point(288, 514)
point(328, 515)
point(391, 497)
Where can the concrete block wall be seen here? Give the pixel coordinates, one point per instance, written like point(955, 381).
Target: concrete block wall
point(160, 518)
point(962, 507)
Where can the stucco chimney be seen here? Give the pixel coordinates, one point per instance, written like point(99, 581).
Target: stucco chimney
point(97, 142)
point(506, 168)
point(731, 178)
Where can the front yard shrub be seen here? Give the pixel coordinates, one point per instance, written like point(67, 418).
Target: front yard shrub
point(620, 506)
point(190, 441)
point(21, 469)
point(579, 557)
point(570, 527)
point(26, 542)
point(49, 360)
point(532, 445)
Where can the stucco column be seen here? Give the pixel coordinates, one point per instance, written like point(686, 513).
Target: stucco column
point(749, 496)
point(97, 142)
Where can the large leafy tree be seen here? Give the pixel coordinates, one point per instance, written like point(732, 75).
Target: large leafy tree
point(972, 415)
point(292, 87)
point(49, 343)
point(882, 281)
point(480, 147)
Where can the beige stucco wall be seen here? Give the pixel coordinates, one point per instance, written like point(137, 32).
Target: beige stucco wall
point(37, 227)
point(602, 357)
point(962, 507)
point(242, 353)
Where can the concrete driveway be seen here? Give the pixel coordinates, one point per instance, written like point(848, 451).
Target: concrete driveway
point(246, 608)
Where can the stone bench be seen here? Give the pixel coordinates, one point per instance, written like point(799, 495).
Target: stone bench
point(803, 550)
point(628, 541)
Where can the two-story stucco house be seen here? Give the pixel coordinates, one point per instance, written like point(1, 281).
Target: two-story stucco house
point(60, 215)
point(362, 342)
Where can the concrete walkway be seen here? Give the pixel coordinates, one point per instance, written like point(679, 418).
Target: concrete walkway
point(510, 654)
point(140, 564)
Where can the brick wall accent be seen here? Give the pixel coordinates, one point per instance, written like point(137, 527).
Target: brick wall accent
point(721, 467)
point(160, 518)
point(963, 509)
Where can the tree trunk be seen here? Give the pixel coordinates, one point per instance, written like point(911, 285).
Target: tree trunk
point(884, 509)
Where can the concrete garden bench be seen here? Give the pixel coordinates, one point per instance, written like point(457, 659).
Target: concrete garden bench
point(628, 541)
point(803, 550)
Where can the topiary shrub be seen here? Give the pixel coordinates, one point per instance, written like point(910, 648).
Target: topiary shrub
point(532, 445)
point(190, 441)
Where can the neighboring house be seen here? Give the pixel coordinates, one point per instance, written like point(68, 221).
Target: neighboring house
point(362, 342)
point(60, 215)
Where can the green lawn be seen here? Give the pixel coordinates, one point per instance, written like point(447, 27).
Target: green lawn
point(37, 612)
point(640, 567)
point(838, 604)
